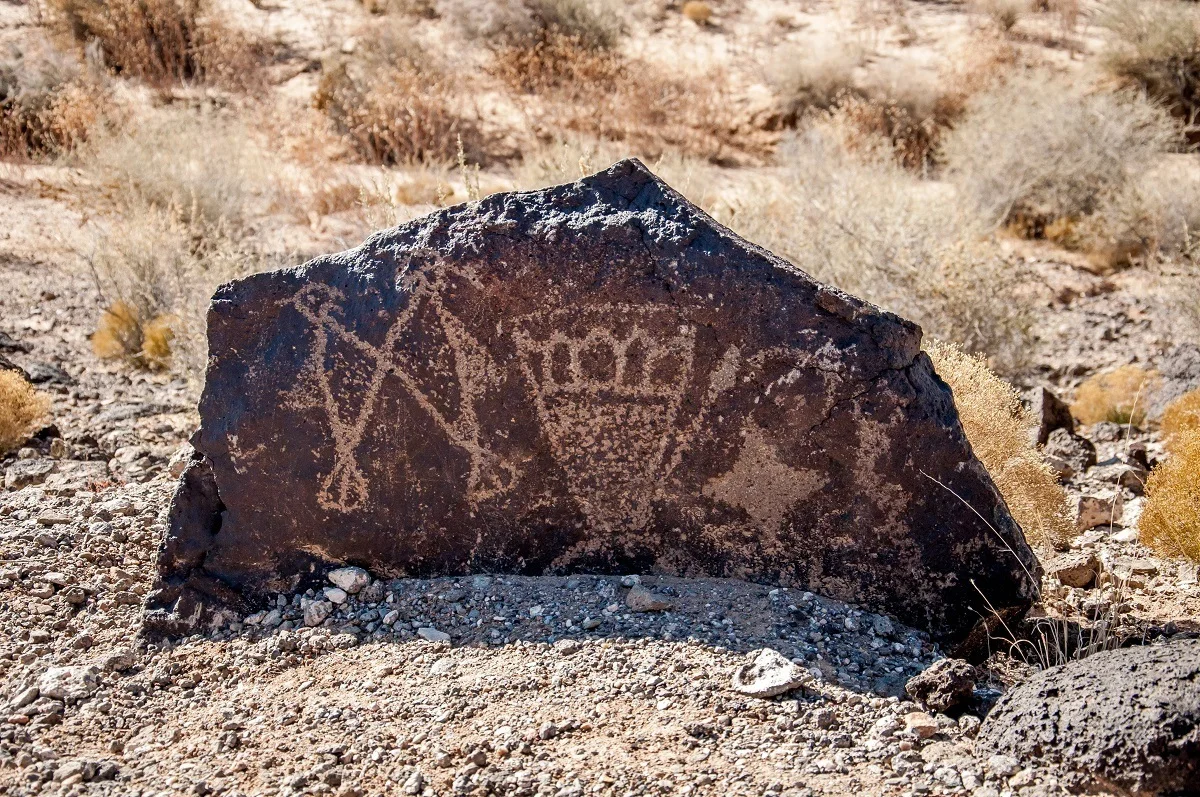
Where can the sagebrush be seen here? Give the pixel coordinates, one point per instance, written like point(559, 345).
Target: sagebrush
point(48, 105)
point(1170, 523)
point(999, 427)
point(396, 105)
point(22, 408)
point(1181, 418)
point(1155, 45)
point(163, 42)
point(1119, 396)
point(1038, 148)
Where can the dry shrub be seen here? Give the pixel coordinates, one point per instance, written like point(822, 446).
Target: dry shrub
point(122, 332)
point(207, 170)
point(502, 23)
point(1155, 45)
point(394, 105)
point(158, 278)
point(1170, 523)
point(813, 78)
point(999, 428)
point(47, 107)
point(603, 95)
point(163, 42)
point(1037, 149)
point(914, 135)
point(1005, 14)
point(21, 410)
point(1119, 396)
point(330, 198)
point(1181, 419)
point(863, 223)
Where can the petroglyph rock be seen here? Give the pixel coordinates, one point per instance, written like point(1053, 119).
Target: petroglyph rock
point(593, 377)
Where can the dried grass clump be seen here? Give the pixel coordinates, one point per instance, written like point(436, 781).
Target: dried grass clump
point(999, 427)
point(1005, 14)
point(1170, 523)
point(394, 105)
point(163, 42)
point(1181, 419)
point(206, 170)
point(807, 79)
point(1039, 148)
point(596, 24)
point(913, 133)
point(1119, 396)
point(558, 63)
point(862, 222)
point(1155, 45)
point(157, 278)
point(21, 410)
point(47, 106)
point(122, 332)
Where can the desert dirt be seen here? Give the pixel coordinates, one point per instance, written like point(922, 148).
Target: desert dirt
point(497, 684)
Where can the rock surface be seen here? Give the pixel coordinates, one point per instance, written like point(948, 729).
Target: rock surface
point(768, 673)
point(595, 377)
point(1126, 719)
point(945, 686)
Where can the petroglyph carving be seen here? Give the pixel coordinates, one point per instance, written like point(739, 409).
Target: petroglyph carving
point(592, 377)
point(607, 388)
point(345, 487)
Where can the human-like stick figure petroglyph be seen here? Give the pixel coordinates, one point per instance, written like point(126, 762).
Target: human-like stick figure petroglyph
point(345, 488)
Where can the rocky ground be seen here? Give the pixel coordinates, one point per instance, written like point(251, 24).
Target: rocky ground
point(553, 686)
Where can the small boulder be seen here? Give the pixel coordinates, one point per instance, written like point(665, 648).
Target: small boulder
point(68, 683)
point(1050, 412)
point(1077, 570)
point(920, 723)
point(1092, 511)
point(641, 599)
point(1075, 451)
point(768, 673)
point(1127, 719)
point(430, 634)
point(350, 579)
point(944, 686)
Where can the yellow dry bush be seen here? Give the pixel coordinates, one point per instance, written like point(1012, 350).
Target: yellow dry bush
point(118, 333)
point(1181, 418)
point(998, 427)
point(1170, 522)
point(1119, 396)
point(21, 409)
point(157, 334)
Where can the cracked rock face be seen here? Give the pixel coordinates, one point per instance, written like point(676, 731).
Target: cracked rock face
point(596, 377)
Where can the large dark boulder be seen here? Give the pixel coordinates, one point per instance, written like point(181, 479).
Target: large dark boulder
point(593, 377)
point(1126, 720)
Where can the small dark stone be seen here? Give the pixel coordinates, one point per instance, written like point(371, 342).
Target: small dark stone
point(9, 343)
point(1050, 412)
point(945, 686)
point(1076, 451)
point(47, 374)
point(1127, 718)
point(594, 377)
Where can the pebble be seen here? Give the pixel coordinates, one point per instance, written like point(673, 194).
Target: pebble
point(432, 634)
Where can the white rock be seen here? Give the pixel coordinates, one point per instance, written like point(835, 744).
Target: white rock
point(432, 634)
point(1003, 766)
point(351, 579)
point(272, 618)
point(768, 673)
point(336, 595)
point(68, 683)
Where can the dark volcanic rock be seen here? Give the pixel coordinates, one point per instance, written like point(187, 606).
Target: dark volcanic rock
point(1125, 719)
point(594, 377)
point(1075, 450)
point(946, 685)
point(1050, 412)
